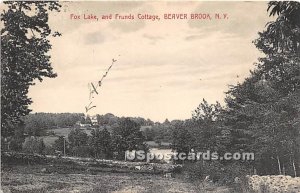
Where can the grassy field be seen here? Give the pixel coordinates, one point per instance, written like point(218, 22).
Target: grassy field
point(32, 179)
point(49, 140)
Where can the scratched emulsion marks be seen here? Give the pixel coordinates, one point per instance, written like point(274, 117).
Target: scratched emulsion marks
point(95, 86)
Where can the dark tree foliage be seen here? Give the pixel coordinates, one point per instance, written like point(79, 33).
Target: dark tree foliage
point(263, 111)
point(206, 118)
point(34, 145)
point(77, 138)
point(182, 139)
point(61, 144)
point(24, 56)
point(127, 137)
point(88, 120)
point(101, 143)
point(78, 143)
point(37, 123)
point(149, 134)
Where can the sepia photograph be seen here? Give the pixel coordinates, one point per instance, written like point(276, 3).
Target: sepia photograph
point(150, 96)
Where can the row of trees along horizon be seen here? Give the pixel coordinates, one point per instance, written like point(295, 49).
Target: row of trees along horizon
point(260, 115)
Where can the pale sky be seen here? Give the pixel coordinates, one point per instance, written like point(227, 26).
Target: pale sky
point(165, 67)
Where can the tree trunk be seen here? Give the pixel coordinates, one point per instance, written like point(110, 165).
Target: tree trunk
point(279, 167)
point(294, 168)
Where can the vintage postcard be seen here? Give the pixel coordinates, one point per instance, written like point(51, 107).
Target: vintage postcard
point(150, 96)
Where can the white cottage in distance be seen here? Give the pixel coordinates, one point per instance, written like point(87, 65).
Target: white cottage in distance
point(94, 120)
point(85, 123)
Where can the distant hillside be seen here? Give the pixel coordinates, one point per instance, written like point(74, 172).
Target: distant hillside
point(37, 123)
point(52, 125)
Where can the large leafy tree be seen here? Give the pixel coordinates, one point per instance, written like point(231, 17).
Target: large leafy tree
point(61, 144)
point(263, 111)
point(182, 139)
point(77, 138)
point(206, 119)
point(78, 143)
point(280, 69)
point(101, 143)
point(24, 56)
point(127, 136)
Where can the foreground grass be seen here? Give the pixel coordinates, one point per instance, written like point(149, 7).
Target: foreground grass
point(31, 179)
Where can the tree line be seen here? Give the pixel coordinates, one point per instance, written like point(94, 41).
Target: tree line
point(261, 114)
point(36, 124)
point(101, 143)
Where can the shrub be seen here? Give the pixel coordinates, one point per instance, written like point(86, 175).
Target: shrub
point(49, 150)
point(33, 145)
point(82, 151)
point(16, 144)
point(194, 171)
point(217, 172)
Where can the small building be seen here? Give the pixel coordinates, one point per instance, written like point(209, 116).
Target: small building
point(94, 120)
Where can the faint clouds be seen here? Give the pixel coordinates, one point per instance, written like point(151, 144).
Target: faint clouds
point(240, 23)
point(127, 26)
point(94, 38)
point(194, 37)
point(151, 37)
